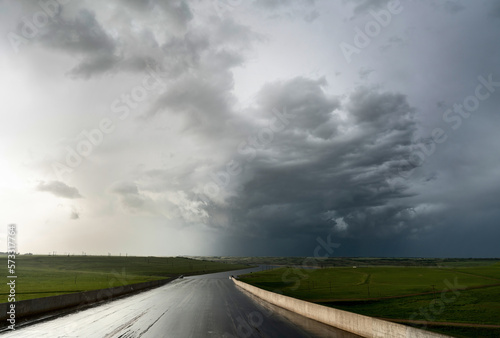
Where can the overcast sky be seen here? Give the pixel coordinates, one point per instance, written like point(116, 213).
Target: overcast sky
point(265, 127)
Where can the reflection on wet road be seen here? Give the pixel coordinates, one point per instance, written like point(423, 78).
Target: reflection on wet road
point(201, 306)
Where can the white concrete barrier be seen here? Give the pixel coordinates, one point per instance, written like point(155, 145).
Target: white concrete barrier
point(352, 322)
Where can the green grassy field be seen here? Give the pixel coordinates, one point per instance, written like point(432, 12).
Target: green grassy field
point(327, 262)
point(418, 293)
point(43, 276)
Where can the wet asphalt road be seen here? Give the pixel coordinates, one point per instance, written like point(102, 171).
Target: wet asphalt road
point(201, 306)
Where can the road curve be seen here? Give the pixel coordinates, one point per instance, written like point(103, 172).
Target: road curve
point(200, 306)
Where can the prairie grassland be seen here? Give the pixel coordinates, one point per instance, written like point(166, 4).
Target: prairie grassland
point(43, 276)
point(471, 291)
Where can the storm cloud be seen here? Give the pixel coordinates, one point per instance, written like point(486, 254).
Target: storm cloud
point(241, 128)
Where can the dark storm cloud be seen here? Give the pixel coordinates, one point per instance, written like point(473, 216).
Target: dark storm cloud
point(183, 53)
point(178, 11)
point(316, 158)
point(78, 32)
point(305, 101)
point(207, 54)
point(199, 64)
point(329, 170)
point(137, 63)
point(59, 189)
point(96, 64)
point(202, 106)
point(82, 35)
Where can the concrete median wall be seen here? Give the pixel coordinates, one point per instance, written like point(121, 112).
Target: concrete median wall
point(39, 306)
point(361, 325)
